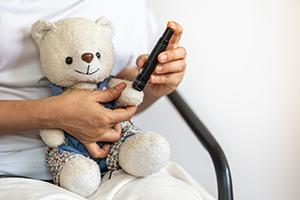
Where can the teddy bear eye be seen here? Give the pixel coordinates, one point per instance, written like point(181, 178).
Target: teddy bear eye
point(69, 60)
point(98, 55)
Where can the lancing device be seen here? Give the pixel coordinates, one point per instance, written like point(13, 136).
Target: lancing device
point(152, 61)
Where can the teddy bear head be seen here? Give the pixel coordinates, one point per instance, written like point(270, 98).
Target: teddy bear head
point(75, 50)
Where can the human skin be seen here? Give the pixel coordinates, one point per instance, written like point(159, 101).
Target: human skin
point(168, 73)
point(79, 112)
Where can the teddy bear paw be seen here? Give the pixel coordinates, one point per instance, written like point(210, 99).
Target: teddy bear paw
point(52, 137)
point(80, 175)
point(130, 97)
point(144, 154)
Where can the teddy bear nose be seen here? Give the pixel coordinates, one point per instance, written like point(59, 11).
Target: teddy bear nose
point(87, 57)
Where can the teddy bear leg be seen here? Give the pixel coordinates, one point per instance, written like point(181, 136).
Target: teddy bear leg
point(144, 153)
point(74, 172)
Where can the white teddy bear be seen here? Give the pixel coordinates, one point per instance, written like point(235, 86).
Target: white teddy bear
point(77, 53)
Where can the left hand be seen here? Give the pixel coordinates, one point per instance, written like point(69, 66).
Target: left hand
point(171, 68)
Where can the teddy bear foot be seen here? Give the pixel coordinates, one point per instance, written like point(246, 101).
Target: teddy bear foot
point(144, 154)
point(80, 175)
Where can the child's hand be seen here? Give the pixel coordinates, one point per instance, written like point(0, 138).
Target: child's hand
point(170, 70)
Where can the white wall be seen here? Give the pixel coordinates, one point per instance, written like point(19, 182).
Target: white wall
point(243, 82)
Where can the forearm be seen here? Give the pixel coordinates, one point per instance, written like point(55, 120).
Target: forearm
point(22, 115)
point(130, 74)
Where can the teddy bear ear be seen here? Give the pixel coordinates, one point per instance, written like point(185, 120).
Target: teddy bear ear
point(39, 29)
point(106, 25)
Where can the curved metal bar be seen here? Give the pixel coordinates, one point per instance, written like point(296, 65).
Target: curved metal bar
point(225, 191)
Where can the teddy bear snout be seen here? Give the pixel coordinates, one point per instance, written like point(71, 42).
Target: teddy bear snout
point(87, 57)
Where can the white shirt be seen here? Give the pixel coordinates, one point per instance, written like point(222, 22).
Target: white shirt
point(22, 154)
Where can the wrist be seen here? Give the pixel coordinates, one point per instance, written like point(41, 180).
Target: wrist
point(46, 112)
point(149, 99)
point(151, 94)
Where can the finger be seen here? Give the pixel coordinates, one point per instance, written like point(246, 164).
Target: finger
point(171, 67)
point(172, 54)
point(118, 128)
point(111, 135)
point(140, 61)
point(171, 79)
point(110, 94)
point(121, 114)
point(177, 34)
point(97, 152)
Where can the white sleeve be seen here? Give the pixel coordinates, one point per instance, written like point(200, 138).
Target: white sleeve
point(143, 31)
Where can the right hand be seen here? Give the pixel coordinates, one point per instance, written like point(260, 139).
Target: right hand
point(79, 113)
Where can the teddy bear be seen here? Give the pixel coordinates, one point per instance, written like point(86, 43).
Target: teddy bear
point(78, 54)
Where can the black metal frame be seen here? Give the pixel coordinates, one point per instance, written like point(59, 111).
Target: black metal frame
point(225, 191)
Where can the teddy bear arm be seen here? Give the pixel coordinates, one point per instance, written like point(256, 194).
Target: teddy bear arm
point(129, 96)
point(52, 137)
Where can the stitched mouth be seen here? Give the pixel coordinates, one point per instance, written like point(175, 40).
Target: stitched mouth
point(87, 72)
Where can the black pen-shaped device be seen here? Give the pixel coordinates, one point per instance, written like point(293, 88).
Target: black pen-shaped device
point(152, 61)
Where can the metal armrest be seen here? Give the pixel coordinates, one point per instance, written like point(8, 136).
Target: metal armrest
point(215, 151)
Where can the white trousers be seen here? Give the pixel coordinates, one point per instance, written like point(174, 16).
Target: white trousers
point(172, 182)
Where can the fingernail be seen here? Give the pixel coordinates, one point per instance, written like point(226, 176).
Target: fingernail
point(153, 78)
point(159, 68)
point(163, 57)
point(140, 62)
point(173, 25)
point(121, 86)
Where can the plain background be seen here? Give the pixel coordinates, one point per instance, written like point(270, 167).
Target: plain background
point(243, 82)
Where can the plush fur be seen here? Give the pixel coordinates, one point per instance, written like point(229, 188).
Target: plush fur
point(77, 53)
point(139, 157)
point(80, 175)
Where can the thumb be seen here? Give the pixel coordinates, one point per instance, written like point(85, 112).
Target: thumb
point(140, 61)
point(110, 94)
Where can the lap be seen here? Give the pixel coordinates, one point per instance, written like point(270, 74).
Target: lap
point(170, 183)
point(24, 188)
